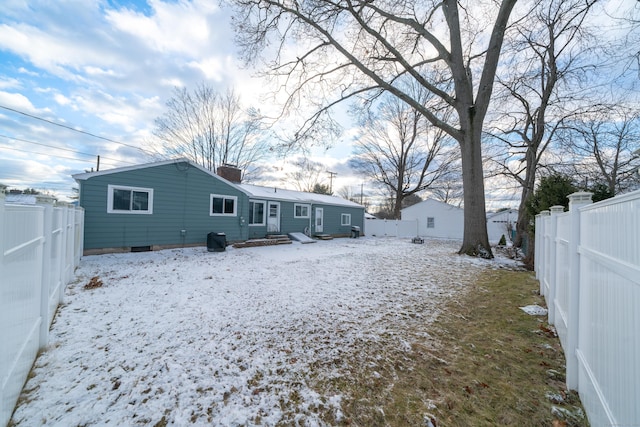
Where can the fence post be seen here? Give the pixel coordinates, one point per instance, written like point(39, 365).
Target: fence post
point(540, 249)
point(555, 211)
point(576, 201)
point(45, 279)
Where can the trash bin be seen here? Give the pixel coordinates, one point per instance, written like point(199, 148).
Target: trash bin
point(216, 242)
point(355, 232)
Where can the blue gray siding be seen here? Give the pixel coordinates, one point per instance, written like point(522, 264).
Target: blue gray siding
point(181, 201)
point(288, 222)
point(332, 216)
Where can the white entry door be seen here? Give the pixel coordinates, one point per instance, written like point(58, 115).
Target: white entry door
point(273, 217)
point(319, 220)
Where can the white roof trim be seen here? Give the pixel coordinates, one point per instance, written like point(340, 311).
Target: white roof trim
point(253, 191)
point(87, 175)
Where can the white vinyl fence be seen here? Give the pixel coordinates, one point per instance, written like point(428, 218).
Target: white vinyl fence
point(588, 264)
point(40, 246)
point(391, 227)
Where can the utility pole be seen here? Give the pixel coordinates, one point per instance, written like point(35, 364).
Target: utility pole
point(98, 164)
point(331, 175)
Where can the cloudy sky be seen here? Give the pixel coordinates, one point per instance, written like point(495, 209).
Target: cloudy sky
point(107, 67)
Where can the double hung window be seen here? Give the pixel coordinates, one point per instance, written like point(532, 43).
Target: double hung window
point(223, 205)
point(301, 211)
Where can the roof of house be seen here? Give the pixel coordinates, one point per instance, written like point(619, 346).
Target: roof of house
point(507, 212)
point(429, 201)
point(254, 191)
point(273, 193)
point(87, 175)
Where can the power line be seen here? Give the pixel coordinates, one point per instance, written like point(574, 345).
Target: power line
point(40, 154)
point(2, 147)
point(72, 129)
point(59, 148)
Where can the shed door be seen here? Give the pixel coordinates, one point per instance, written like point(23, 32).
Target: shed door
point(319, 220)
point(273, 219)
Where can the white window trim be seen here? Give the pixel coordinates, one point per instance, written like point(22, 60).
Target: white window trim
point(433, 221)
point(342, 221)
point(264, 213)
point(111, 188)
point(308, 215)
point(223, 196)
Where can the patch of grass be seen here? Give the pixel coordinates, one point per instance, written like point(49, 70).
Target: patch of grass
point(487, 363)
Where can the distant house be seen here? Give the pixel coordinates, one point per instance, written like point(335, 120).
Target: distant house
point(500, 223)
point(436, 219)
point(177, 203)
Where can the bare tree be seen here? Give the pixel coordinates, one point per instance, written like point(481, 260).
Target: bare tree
point(305, 175)
point(605, 146)
point(448, 189)
point(357, 196)
point(400, 150)
point(327, 51)
point(537, 92)
point(211, 129)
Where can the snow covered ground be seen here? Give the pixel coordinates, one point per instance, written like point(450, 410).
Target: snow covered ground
point(189, 337)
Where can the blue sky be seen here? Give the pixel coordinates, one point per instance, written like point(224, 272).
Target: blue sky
point(107, 68)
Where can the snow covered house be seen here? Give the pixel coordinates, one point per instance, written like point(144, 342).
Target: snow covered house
point(500, 223)
point(177, 203)
point(436, 219)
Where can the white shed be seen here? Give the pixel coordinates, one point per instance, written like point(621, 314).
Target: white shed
point(498, 224)
point(436, 219)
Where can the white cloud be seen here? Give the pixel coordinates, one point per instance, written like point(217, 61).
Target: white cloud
point(61, 99)
point(17, 101)
point(97, 71)
point(23, 70)
point(182, 27)
point(213, 68)
point(9, 83)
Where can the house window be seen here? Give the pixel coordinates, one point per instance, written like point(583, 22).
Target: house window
point(223, 205)
point(345, 219)
point(301, 211)
point(256, 213)
point(431, 222)
point(129, 200)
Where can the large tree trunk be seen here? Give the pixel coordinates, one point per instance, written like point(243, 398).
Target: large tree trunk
point(476, 240)
point(522, 226)
point(397, 205)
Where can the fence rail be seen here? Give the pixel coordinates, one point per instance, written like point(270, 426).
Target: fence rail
point(40, 246)
point(588, 265)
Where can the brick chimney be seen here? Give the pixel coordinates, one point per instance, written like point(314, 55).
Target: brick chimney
point(230, 173)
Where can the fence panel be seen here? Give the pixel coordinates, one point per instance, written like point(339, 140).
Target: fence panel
point(38, 255)
point(391, 227)
point(561, 280)
point(590, 277)
point(609, 342)
point(22, 242)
